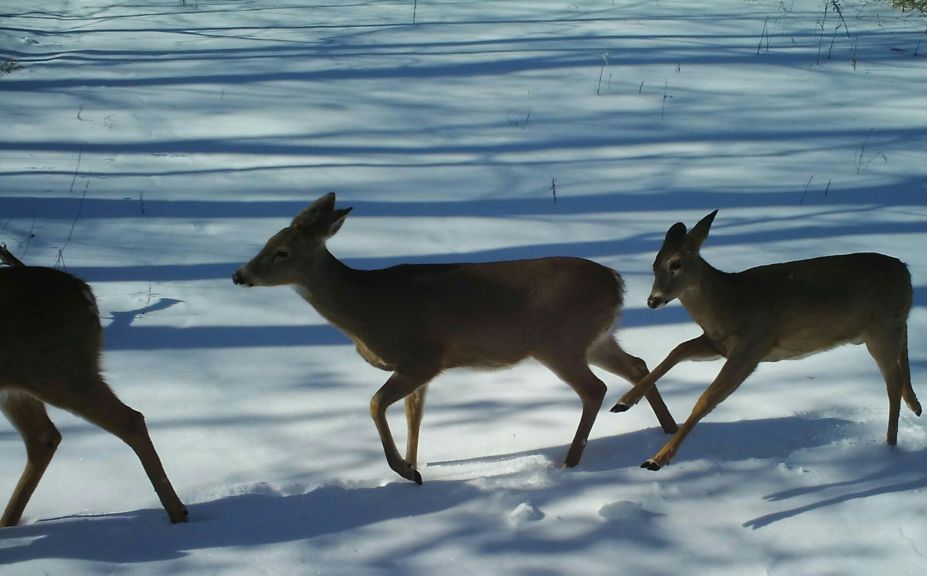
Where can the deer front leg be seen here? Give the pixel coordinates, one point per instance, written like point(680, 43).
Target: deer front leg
point(399, 386)
point(415, 407)
point(608, 354)
point(732, 375)
point(701, 348)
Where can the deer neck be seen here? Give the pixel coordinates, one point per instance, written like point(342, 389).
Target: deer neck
point(335, 290)
point(710, 300)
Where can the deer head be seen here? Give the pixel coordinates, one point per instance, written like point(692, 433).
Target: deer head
point(295, 248)
point(678, 264)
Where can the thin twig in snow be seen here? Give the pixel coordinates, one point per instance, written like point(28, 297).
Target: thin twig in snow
point(836, 6)
point(31, 234)
point(805, 189)
point(598, 86)
point(763, 36)
point(665, 96)
point(67, 241)
point(80, 154)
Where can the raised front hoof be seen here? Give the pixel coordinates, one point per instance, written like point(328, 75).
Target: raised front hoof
point(620, 407)
point(416, 477)
point(651, 465)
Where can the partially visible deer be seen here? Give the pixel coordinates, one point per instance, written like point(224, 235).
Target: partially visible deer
point(778, 312)
point(418, 320)
point(49, 353)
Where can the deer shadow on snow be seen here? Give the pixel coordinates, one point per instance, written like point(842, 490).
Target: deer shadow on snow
point(252, 519)
point(897, 472)
point(123, 333)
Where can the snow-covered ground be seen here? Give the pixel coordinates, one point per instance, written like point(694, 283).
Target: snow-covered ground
point(151, 148)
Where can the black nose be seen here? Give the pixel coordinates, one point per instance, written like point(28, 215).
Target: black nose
point(237, 278)
point(654, 302)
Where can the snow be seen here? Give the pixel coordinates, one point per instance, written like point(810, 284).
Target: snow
point(152, 147)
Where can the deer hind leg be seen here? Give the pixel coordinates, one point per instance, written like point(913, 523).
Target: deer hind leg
point(886, 349)
point(576, 373)
point(94, 401)
point(415, 407)
point(400, 385)
point(608, 355)
point(731, 376)
point(29, 417)
point(907, 391)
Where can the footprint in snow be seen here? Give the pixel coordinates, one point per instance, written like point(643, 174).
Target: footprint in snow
point(625, 511)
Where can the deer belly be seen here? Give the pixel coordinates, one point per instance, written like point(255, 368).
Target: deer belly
point(486, 354)
point(801, 345)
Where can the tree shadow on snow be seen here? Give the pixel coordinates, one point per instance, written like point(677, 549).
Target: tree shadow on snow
point(852, 202)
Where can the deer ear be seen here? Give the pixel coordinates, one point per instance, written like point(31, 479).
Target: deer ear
point(675, 235)
point(699, 232)
point(337, 219)
point(324, 205)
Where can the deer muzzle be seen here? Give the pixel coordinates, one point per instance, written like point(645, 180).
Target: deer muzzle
point(239, 279)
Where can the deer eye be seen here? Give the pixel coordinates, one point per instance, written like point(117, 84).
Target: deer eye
point(674, 265)
point(282, 254)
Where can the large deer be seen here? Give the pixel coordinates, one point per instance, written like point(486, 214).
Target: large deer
point(418, 320)
point(778, 312)
point(50, 353)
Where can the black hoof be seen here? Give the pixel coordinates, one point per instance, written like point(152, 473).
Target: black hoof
point(417, 477)
point(619, 407)
point(651, 465)
point(184, 514)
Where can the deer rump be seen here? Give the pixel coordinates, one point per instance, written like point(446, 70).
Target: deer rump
point(42, 310)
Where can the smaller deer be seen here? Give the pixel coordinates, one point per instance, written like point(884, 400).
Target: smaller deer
point(50, 353)
point(419, 320)
point(777, 312)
